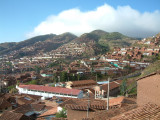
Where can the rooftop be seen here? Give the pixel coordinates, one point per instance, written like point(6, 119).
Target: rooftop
point(51, 89)
point(147, 112)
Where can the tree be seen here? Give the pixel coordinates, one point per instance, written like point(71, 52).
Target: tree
point(37, 69)
point(61, 114)
point(123, 87)
point(63, 76)
point(13, 90)
point(33, 82)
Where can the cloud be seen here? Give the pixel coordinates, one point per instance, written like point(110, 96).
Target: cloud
point(123, 19)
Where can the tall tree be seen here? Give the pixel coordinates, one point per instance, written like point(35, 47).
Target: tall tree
point(123, 87)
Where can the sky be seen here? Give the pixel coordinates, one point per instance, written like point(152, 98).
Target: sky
point(23, 19)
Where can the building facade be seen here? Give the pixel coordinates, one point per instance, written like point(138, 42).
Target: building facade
point(49, 92)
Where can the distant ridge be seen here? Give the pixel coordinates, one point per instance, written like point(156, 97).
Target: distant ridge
point(97, 41)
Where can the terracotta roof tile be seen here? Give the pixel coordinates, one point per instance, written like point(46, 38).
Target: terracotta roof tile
point(112, 85)
point(10, 115)
point(4, 103)
point(116, 101)
point(49, 112)
point(29, 107)
point(146, 112)
point(82, 104)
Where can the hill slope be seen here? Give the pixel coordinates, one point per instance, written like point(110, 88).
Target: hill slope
point(97, 42)
point(43, 43)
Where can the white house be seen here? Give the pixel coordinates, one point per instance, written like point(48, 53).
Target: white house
point(49, 92)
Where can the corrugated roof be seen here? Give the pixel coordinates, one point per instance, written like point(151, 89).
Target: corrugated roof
point(51, 89)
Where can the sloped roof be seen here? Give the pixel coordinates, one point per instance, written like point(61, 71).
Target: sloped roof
point(10, 115)
point(4, 103)
point(29, 107)
point(147, 112)
point(116, 101)
point(51, 89)
point(82, 104)
point(49, 112)
point(112, 85)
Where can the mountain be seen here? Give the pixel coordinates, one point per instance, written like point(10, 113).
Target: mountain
point(43, 43)
point(97, 42)
point(6, 45)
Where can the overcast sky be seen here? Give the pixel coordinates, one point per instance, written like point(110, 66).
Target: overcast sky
point(22, 19)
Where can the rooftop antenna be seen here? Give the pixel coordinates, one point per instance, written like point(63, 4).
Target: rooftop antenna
point(108, 95)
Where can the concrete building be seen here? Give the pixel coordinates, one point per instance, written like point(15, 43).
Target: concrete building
point(49, 92)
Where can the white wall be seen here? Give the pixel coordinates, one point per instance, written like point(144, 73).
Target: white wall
point(45, 94)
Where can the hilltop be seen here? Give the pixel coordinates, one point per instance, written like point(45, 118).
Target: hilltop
point(96, 42)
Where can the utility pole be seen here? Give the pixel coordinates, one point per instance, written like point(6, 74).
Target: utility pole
point(108, 95)
point(88, 106)
point(96, 77)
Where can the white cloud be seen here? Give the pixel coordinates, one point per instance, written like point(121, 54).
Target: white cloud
point(123, 19)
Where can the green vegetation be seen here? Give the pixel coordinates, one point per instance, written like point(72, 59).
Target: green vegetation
point(37, 69)
point(33, 82)
point(11, 87)
point(97, 42)
point(13, 90)
point(114, 36)
point(61, 114)
point(123, 87)
point(63, 76)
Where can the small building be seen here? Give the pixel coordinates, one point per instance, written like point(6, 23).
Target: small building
point(49, 92)
point(81, 84)
point(148, 89)
point(101, 91)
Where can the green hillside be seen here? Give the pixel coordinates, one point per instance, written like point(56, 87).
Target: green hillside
point(153, 67)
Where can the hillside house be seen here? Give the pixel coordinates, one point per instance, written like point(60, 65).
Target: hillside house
point(101, 91)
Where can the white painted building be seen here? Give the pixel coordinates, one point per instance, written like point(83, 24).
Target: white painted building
point(49, 92)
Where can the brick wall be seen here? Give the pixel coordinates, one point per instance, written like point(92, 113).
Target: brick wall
point(148, 90)
point(78, 115)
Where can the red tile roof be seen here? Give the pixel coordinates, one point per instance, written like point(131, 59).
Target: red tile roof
point(49, 112)
point(82, 104)
point(10, 115)
point(51, 89)
point(116, 101)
